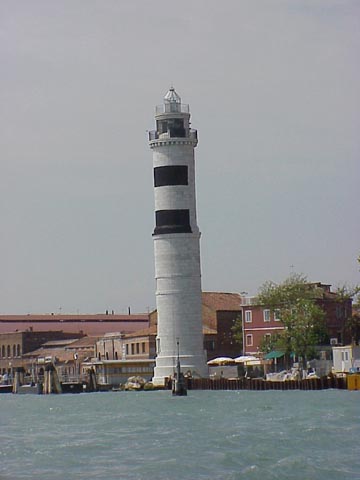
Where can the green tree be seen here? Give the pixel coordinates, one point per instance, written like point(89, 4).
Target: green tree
point(352, 319)
point(295, 301)
point(237, 332)
point(352, 328)
point(268, 344)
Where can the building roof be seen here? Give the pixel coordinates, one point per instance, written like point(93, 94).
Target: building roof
point(93, 324)
point(208, 330)
point(84, 342)
point(61, 353)
point(222, 301)
point(81, 317)
point(152, 331)
point(64, 349)
point(143, 333)
point(59, 343)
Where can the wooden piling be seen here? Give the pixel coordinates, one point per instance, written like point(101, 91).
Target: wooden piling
point(260, 384)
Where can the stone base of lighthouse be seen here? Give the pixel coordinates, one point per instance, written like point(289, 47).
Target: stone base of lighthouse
point(190, 364)
point(179, 307)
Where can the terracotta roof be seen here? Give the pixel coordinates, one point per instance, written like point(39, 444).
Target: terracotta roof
point(153, 331)
point(97, 317)
point(209, 331)
point(84, 342)
point(143, 333)
point(59, 343)
point(222, 301)
point(97, 324)
point(61, 353)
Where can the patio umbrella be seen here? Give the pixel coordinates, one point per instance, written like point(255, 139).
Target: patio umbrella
point(245, 358)
point(253, 363)
point(221, 361)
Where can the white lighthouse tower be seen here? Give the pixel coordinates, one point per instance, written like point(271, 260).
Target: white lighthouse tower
point(176, 242)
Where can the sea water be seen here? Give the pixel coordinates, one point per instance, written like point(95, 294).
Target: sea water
point(223, 435)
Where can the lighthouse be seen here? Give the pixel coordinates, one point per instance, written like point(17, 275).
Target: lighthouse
point(176, 243)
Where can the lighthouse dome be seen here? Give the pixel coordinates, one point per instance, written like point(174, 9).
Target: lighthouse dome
point(172, 96)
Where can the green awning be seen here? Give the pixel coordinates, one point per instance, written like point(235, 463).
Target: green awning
point(274, 354)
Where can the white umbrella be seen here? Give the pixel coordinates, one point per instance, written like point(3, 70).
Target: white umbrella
point(245, 358)
point(221, 361)
point(253, 363)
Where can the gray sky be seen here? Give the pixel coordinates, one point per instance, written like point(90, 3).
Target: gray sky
point(273, 88)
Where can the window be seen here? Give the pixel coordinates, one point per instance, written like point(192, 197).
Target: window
point(249, 340)
point(8, 351)
point(116, 356)
point(18, 351)
point(209, 345)
point(3, 350)
point(277, 315)
point(132, 349)
point(14, 350)
point(137, 348)
point(173, 126)
point(127, 349)
point(248, 316)
point(345, 356)
point(266, 314)
point(339, 311)
point(143, 347)
point(267, 337)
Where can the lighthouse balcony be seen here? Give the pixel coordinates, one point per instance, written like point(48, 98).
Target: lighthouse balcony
point(173, 133)
point(172, 107)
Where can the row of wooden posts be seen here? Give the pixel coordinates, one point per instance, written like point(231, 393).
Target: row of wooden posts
point(51, 383)
point(260, 384)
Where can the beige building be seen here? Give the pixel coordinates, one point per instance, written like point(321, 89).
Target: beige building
point(346, 358)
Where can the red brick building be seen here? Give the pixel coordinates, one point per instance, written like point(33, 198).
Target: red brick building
point(220, 311)
point(259, 322)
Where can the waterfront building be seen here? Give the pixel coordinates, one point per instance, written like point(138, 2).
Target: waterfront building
point(176, 242)
point(15, 345)
point(67, 356)
point(118, 356)
point(259, 321)
point(219, 313)
point(346, 358)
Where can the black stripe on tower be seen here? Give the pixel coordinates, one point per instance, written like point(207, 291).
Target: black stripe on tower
point(170, 175)
point(172, 221)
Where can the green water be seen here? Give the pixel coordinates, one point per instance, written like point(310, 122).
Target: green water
point(206, 435)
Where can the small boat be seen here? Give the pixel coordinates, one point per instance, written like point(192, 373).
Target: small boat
point(6, 388)
point(30, 388)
